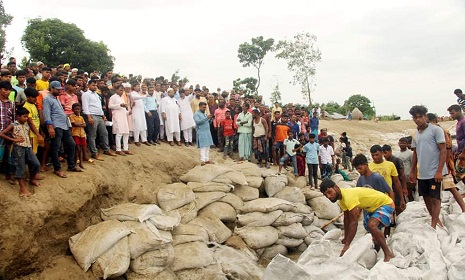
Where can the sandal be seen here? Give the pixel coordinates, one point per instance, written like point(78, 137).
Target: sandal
point(60, 174)
point(75, 169)
point(202, 163)
point(90, 160)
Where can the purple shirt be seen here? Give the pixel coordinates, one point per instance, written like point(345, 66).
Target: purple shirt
point(460, 134)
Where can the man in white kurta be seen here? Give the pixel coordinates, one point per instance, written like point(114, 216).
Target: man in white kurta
point(139, 124)
point(119, 114)
point(187, 121)
point(171, 115)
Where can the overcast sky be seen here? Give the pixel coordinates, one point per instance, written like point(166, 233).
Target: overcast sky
point(397, 53)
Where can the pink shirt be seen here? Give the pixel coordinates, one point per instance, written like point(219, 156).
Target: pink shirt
point(220, 115)
point(67, 100)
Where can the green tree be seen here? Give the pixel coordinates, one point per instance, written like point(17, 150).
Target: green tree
point(301, 55)
point(175, 77)
point(55, 42)
point(275, 94)
point(5, 20)
point(247, 85)
point(362, 103)
point(254, 53)
point(333, 107)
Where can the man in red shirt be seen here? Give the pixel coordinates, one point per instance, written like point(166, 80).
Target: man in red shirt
point(220, 115)
point(227, 132)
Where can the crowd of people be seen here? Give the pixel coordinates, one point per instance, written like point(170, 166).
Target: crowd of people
point(76, 117)
point(49, 115)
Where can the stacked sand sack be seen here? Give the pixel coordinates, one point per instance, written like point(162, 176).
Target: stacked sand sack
point(420, 251)
point(253, 213)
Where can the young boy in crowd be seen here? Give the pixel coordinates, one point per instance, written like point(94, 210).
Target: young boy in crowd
point(280, 133)
point(228, 132)
point(22, 150)
point(79, 135)
point(33, 118)
point(311, 157)
point(291, 146)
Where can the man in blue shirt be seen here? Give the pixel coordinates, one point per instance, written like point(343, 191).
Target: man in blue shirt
point(151, 116)
point(311, 157)
point(369, 178)
point(58, 128)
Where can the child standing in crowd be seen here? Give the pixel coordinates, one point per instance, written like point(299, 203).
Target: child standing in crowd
point(260, 132)
point(79, 135)
point(228, 132)
point(22, 153)
point(326, 158)
point(312, 150)
point(33, 118)
point(281, 131)
point(291, 146)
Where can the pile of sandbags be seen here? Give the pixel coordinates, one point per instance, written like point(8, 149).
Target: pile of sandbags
point(256, 214)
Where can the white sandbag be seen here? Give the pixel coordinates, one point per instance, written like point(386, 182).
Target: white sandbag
point(144, 237)
point(218, 211)
point(274, 184)
point(309, 194)
point(185, 233)
point(191, 255)
point(246, 193)
point(232, 177)
point(209, 187)
point(95, 240)
point(257, 237)
point(299, 182)
point(166, 222)
point(291, 194)
point(233, 200)
point(308, 219)
point(130, 212)
point(238, 243)
point(294, 231)
point(300, 208)
point(283, 268)
point(313, 236)
point(153, 261)
point(204, 174)
point(289, 242)
point(174, 196)
point(258, 219)
point(288, 218)
point(336, 178)
point(188, 212)
point(247, 168)
point(254, 181)
point(344, 185)
point(213, 272)
point(114, 262)
point(302, 247)
point(324, 208)
point(334, 234)
point(272, 251)
point(203, 199)
point(166, 274)
point(353, 176)
point(266, 205)
point(236, 264)
point(217, 231)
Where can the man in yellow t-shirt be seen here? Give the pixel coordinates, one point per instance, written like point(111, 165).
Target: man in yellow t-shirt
point(388, 170)
point(378, 212)
point(33, 118)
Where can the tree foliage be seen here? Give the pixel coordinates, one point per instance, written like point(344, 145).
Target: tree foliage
point(5, 20)
point(301, 55)
point(334, 107)
point(275, 94)
point(55, 42)
point(176, 78)
point(248, 85)
point(254, 53)
point(362, 103)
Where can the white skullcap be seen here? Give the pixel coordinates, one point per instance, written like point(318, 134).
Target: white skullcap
point(126, 85)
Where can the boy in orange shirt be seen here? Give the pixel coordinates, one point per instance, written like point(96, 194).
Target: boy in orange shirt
point(79, 135)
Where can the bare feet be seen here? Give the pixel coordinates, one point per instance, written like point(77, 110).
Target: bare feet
point(81, 166)
point(25, 194)
point(34, 183)
point(389, 256)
